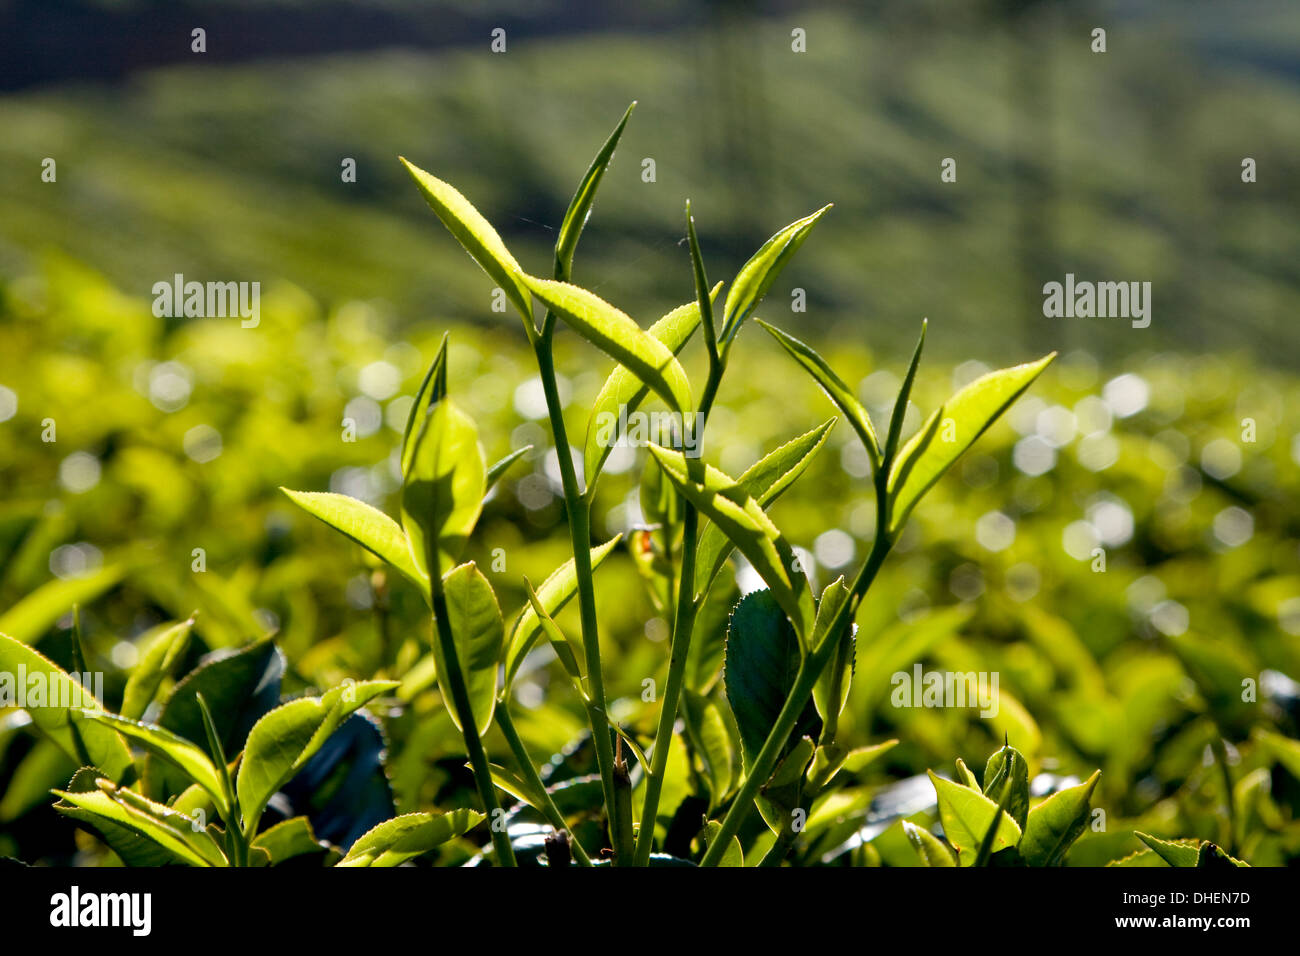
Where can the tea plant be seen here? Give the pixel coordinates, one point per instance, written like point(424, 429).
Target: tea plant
point(785, 646)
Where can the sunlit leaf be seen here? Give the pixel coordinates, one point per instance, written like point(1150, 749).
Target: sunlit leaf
point(443, 493)
point(285, 739)
point(765, 481)
point(929, 847)
point(832, 385)
point(966, 815)
point(364, 524)
point(476, 235)
point(618, 336)
point(60, 698)
point(950, 431)
point(575, 217)
point(742, 520)
point(757, 275)
point(1054, 825)
point(477, 632)
point(403, 838)
point(623, 392)
point(554, 593)
point(162, 648)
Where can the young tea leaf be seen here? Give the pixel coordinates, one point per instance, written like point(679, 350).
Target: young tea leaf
point(162, 648)
point(966, 815)
point(623, 390)
point(366, 525)
point(432, 390)
point(931, 850)
point(765, 481)
point(580, 206)
point(555, 592)
point(53, 712)
point(1003, 763)
point(178, 751)
point(757, 275)
point(478, 633)
point(728, 505)
point(833, 386)
point(403, 838)
point(285, 739)
point(443, 494)
point(477, 237)
point(109, 808)
point(1180, 853)
point(615, 334)
point(950, 431)
point(1052, 827)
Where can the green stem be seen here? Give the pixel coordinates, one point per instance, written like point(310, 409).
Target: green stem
point(579, 514)
point(683, 628)
point(534, 780)
point(1221, 758)
point(683, 625)
point(469, 730)
point(805, 679)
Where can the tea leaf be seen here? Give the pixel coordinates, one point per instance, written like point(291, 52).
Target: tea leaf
point(966, 815)
point(432, 390)
point(575, 217)
point(923, 460)
point(478, 633)
point(734, 855)
point(765, 481)
point(1054, 825)
point(833, 386)
point(175, 750)
point(288, 839)
point(1004, 762)
point(163, 647)
point(240, 687)
point(568, 648)
point(904, 396)
point(285, 739)
point(1211, 856)
point(967, 777)
point(723, 501)
point(53, 713)
point(1181, 853)
point(831, 692)
point(403, 838)
point(499, 468)
point(555, 592)
point(757, 275)
point(623, 389)
point(366, 525)
point(712, 741)
point(443, 494)
point(108, 807)
point(476, 235)
point(931, 850)
point(615, 334)
point(760, 668)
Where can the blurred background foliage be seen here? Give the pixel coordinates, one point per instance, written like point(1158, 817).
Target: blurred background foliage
point(173, 435)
